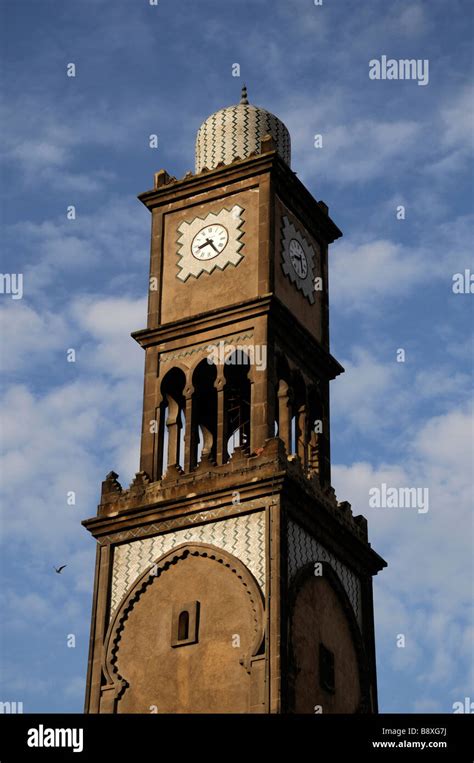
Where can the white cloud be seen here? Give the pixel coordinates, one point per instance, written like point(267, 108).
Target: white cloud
point(457, 115)
point(362, 274)
point(62, 441)
point(366, 273)
point(366, 395)
point(354, 150)
point(55, 145)
point(109, 322)
point(98, 246)
point(97, 329)
point(109, 317)
point(413, 21)
point(426, 590)
point(66, 437)
point(28, 335)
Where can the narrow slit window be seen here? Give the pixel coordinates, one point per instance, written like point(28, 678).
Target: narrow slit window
point(183, 626)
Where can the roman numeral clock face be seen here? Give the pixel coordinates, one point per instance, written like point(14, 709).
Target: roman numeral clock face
point(298, 259)
point(209, 243)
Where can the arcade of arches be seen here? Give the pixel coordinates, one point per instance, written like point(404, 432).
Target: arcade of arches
point(205, 413)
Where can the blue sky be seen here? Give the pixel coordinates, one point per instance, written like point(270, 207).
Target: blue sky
point(83, 141)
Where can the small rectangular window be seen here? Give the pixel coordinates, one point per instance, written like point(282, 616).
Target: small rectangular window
point(185, 624)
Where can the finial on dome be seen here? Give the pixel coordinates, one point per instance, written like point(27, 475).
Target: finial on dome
point(243, 97)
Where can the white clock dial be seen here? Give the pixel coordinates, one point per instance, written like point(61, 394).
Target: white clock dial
point(209, 242)
point(298, 258)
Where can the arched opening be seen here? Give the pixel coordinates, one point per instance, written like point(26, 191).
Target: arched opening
point(317, 449)
point(172, 426)
point(283, 412)
point(299, 432)
point(204, 414)
point(237, 402)
point(293, 435)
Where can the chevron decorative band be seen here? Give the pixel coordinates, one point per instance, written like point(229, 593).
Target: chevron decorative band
point(237, 131)
point(303, 548)
point(243, 536)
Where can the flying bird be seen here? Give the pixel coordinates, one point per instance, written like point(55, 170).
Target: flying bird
point(60, 569)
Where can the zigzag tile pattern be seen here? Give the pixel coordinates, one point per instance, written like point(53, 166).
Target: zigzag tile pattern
point(237, 131)
point(242, 536)
point(303, 548)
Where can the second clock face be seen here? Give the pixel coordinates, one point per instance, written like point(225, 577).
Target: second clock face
point(209, 242)
point(298, 258)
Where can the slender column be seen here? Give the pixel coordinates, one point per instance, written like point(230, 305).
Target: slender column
point(221, 449)
point(301, 444)
point(190, 434)
point(260, 427)
point(151, 398)
point(173, 423)
point(284, 415)
point(98, 628)
point(159, 441)
point(156, 259)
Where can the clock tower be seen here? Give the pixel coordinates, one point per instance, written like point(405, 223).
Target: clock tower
point(229, 578)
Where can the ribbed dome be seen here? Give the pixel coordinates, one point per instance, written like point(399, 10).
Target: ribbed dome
point(236, 131)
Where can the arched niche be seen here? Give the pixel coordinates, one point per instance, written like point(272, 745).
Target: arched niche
point(146, 664)
point(322, 629)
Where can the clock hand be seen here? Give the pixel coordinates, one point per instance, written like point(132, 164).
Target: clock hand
point(212, 244)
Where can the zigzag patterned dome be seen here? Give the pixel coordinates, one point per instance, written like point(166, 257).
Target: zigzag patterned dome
point(236, 131)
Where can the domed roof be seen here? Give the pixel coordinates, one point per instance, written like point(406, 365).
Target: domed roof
point(236, 131)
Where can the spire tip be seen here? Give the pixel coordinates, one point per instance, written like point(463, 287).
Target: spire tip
point(243, 97)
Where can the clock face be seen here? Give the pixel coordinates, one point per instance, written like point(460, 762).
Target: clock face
point(209, 242)
point(298, 258)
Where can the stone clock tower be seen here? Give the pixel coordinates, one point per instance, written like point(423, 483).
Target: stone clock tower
point(228, 576)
